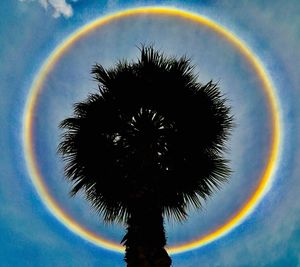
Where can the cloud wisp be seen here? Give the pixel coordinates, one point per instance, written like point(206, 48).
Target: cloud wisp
point(59, 7)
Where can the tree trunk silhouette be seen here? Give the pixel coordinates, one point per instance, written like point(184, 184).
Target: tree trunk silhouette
point(145, 239)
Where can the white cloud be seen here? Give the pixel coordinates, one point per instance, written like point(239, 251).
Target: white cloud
point(60, 7)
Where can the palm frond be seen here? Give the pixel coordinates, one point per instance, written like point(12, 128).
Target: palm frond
point(152, 135)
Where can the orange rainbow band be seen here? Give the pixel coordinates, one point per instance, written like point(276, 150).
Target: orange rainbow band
point(269, 90)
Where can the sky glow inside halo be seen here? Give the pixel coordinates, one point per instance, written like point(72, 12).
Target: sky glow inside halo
point(49, 64)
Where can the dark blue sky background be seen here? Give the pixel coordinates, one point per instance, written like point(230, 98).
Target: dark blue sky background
point(30, 31)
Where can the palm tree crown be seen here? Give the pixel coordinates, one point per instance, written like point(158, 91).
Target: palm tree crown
point(152, 138)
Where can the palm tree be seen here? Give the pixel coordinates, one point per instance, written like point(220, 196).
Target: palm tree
point(148, 145)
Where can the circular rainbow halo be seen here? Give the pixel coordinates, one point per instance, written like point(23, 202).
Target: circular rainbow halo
point(257, 66)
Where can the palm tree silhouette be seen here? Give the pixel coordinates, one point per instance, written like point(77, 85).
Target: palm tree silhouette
point(148, 145)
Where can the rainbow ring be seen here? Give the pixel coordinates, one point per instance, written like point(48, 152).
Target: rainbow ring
point(269, 90)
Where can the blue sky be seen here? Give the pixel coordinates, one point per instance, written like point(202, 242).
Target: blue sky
point(31, 29)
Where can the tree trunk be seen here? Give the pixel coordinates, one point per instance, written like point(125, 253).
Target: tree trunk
point(145, 239)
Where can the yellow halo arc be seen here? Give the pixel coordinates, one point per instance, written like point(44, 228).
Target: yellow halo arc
point(269, 90)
